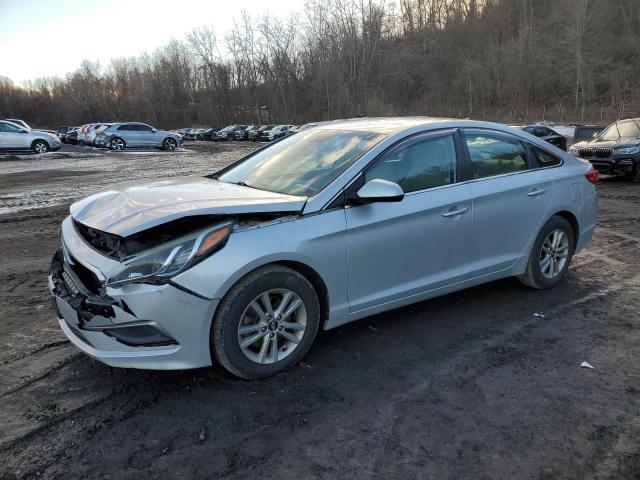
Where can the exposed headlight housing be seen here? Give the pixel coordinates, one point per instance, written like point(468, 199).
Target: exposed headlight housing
point(159, 264)
point(628, 150)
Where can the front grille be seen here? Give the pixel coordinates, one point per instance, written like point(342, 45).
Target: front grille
point(70, 284)
point(89, 279)
point(595, 152)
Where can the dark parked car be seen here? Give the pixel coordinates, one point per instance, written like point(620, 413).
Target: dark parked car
point(586, 132)
point(244, 134)
point(615, 151)
point(62, 130)
point(547, 134)
point(200, 133)
point(190, 134)
point(209, 134)
point(71, 137)
point(63, 133)
point(228, 133)
point(254, 135)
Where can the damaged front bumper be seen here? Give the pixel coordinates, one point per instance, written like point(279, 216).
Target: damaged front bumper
point(136, 326)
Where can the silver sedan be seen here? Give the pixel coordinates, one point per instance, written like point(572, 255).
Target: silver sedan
point(335, 223)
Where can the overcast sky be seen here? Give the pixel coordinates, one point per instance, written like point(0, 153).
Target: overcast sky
point(51, 37)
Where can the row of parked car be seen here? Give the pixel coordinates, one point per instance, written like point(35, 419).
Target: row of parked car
point(614, 149)
point(255, 133)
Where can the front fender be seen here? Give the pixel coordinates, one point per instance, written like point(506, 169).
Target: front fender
point(317, 241)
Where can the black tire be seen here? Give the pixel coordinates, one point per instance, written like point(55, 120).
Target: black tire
point(533, 276)
point(225, 348)
point(169, 144)
point(40, 146)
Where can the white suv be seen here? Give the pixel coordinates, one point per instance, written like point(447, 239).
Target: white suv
point(15, 137)
point(276, 132)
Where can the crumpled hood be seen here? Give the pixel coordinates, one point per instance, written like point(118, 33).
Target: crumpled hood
point(132, 207)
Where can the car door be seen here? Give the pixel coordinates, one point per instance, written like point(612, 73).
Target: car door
point(148, 137)
point(13, 138)
point(510, 199)
point(396, 250)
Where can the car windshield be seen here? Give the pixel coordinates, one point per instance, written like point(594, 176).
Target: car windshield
point(617, 130)
point(302, 164)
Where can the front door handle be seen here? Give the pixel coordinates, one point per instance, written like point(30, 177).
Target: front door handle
point(457, 211)
point(537, 191)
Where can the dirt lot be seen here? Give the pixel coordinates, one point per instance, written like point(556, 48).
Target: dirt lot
point(470, 385)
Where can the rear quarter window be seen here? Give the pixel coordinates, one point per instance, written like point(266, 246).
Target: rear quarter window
point(545, 159)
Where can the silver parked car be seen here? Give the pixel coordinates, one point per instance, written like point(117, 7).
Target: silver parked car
point(118, 136)
point(332, 224)
point(16, 137)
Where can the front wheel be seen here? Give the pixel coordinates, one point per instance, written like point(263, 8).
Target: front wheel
point(169, 144)
point(551, 255)
point(40, 146)
point(266, 323)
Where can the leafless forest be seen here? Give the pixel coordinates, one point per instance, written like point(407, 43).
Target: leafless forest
point(507, 60)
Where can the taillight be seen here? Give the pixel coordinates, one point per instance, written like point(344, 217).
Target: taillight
point(593, 175)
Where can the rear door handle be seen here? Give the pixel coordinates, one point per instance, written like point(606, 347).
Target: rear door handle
point(453, 213)
point(537, 191)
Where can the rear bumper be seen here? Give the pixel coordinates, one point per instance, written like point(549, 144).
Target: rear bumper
point(157, 327)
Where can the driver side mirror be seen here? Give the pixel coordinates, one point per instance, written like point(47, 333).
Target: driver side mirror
point(378, 190)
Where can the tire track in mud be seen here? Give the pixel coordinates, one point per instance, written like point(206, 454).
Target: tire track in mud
point(475, 347)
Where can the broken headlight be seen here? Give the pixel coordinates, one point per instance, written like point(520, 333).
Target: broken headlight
point(159, 264)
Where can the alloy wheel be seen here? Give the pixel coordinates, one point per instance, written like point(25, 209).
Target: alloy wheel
point(117, 144)
point(170, 144)
point(40, 147)
point(554, 253)
point(272, 326)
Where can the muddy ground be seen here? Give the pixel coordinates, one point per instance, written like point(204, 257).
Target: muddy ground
point(470, 385)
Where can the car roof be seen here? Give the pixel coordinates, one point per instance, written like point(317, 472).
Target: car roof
point(387, 125)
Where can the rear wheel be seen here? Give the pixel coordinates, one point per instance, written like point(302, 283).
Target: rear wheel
point(551, 255)
point(266, 323)
point(116, 144)
point(169, 144)
point(40, 146)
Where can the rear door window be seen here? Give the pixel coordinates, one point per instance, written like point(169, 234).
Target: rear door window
point(494, 154)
